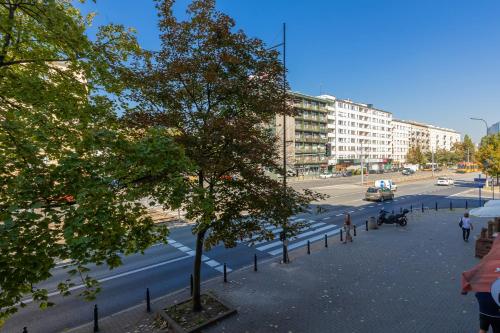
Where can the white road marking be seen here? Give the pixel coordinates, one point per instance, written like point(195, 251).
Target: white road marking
point(220, 268)
point(210, 262)
point(302, 243)
point(338, 215)
point(326, 218)
point(314, 225)
point(117, 276)
point(302, 235)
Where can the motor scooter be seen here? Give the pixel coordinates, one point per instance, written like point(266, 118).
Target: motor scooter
point(384, 217)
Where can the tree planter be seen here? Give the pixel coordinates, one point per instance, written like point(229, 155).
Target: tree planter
point(181, 318)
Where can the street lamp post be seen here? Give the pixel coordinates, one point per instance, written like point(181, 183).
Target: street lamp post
point(432, 160)
point(362, 166)
point(486, 125)
point(484, 121)
point(283, 44)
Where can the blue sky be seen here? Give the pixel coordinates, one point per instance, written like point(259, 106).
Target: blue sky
point(432, 61)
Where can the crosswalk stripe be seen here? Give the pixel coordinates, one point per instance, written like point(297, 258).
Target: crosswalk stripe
point(315, 225)
point(302, 235)
point(303, 242)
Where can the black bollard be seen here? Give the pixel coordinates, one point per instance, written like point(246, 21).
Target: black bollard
point(25, 330)
point(354, 230)
point(148, 301)
point(400, 210)
point(422, 207)
point(393, 212)
point(411, 208)
point(96, 319)
point(191, 284)
point(255, 262)
point(466, 204)
point(366, 225)
point(436, 205)
point(326, 240)
point(341, 238)
point(451, 205)
point(225, 272)
point(308, 247)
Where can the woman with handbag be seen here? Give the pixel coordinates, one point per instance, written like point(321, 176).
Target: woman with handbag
point(466, 226)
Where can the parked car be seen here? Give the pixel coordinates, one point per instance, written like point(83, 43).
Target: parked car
point(407, 172)
point(378, 194)
point(347, 173)
point(445, 181)
point(326, 175)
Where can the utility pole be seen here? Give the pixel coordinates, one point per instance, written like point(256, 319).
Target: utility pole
point(362, 169)
point(432, 156)
point(285, 221)
point(285, 241)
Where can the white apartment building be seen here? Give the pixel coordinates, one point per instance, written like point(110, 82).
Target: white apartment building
point(355, 130)
point(401, 138)
point(442, 138)
point(328, 131)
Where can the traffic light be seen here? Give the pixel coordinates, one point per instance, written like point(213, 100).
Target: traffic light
point(328, 151)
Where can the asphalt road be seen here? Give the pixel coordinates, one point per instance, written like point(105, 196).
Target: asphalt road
point(166, 268)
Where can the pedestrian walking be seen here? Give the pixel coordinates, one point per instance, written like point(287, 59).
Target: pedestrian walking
point(489, 313)
point(466, 226)
point(347, 228)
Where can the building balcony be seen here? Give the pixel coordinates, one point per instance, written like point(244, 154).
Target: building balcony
point(316, 119)
point(311, 108)
point(310, 159)
point(311, 140)
point(309, 128)
point(304, 150)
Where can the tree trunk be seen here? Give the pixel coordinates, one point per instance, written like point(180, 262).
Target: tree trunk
point(197, 272)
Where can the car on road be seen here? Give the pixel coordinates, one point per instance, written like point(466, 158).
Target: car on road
point(378, 194)
point(407, 172)
point(326, 175)
point(445, 181)
point(386, 183)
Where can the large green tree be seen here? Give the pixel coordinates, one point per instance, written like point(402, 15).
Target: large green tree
point(416, 156)
point(464, 151)
point(488, 154)
point(70, 176)
point(219, 89)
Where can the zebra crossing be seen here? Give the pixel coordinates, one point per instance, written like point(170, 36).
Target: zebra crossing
point(314, 232)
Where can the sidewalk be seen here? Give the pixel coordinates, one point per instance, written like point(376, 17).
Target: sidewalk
point(388, 280)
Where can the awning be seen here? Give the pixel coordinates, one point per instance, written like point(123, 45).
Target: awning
point(490, 209)
point(483, 275)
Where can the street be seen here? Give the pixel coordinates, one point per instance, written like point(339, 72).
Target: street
point(166, 268)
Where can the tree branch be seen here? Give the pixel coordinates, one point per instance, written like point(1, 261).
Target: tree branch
point(27, 61)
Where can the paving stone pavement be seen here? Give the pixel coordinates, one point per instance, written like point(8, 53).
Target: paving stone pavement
point(393, 279)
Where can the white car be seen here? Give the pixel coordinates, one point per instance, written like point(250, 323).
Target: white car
point(445, 181)
point(326, 175)
point(386, 183)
